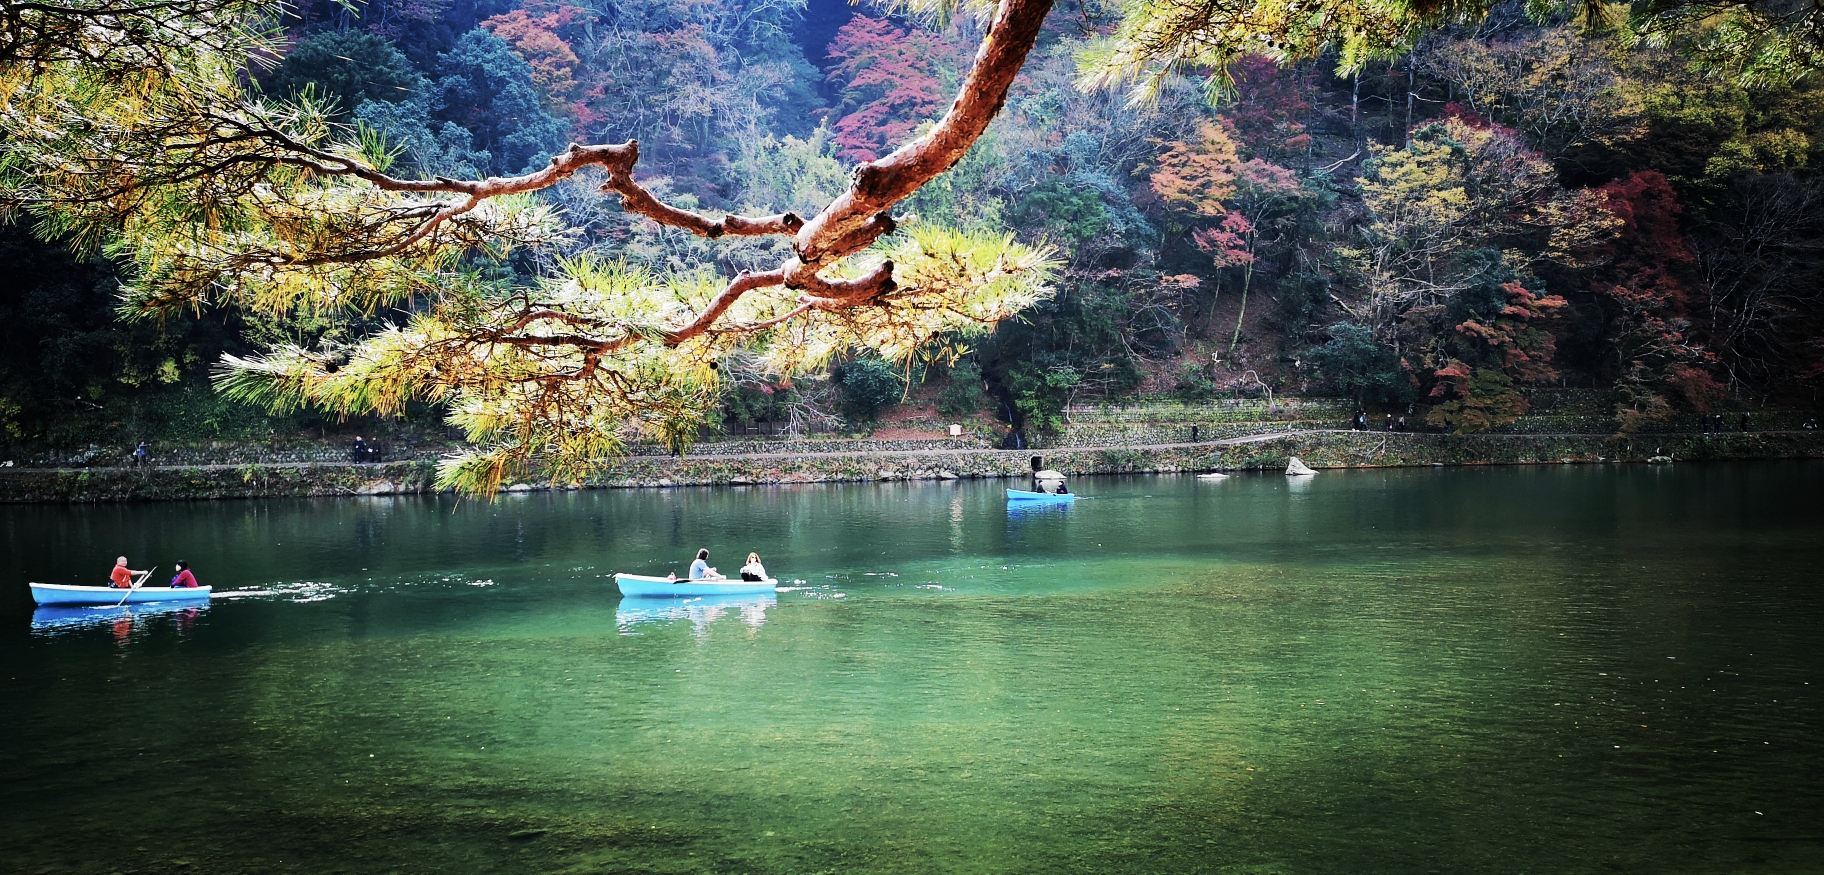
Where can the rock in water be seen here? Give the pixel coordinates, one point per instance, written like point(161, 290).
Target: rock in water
point(1295, 468)
point(1214, 475)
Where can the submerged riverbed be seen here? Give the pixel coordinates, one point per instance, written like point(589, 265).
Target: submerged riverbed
point(1577, 669)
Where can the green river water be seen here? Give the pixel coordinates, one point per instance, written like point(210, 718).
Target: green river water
point(1545, 669)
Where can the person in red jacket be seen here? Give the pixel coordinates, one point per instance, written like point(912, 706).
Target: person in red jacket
point(184, 579)
point(122, 576)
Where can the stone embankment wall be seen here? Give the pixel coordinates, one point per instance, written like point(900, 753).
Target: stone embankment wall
point(214, 481)
point(935, 461)
point(1319, 449)
point(210, 453)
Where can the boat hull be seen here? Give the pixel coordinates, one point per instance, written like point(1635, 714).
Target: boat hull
point(661, 587)
point(62, 594)
point(1040, 497)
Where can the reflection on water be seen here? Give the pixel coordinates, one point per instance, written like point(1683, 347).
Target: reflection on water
point(122, 622)
point(701, 611)
point(1017, 510)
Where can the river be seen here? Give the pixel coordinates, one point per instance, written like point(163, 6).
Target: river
point(1541, 669)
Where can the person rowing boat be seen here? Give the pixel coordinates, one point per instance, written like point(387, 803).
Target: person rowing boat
point(702, 570)
point(122, 576)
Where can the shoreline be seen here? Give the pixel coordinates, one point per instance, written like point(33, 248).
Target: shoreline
point(1322, 449)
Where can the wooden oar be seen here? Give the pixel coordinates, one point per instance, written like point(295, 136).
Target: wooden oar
point(142, 579)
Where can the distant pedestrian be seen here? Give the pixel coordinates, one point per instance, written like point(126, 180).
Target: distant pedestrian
point(1744, 420)
point(357, 452)
point(142, 455)
point(1402, 424)
point(1390, 422)
point(1360, 422)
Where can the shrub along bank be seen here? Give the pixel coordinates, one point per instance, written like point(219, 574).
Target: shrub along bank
point(1319, 449)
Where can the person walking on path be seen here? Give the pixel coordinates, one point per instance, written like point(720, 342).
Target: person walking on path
point(357, 452)
point(142, 455)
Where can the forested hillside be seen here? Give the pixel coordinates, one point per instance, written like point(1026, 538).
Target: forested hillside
point(1521, 205)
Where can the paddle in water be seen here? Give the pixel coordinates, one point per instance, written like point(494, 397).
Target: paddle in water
point(145, 576)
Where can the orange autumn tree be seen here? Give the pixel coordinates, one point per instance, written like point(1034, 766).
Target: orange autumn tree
point(1225, 202)
point(539, 32)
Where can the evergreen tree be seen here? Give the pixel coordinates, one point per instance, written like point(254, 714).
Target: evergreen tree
point(347, 68)
point(487, 89)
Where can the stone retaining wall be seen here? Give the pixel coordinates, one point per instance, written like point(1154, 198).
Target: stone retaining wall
point(1134, 434)
point(167, 455)
point(21, 485)
point(1317, 449)
point(1216, 410)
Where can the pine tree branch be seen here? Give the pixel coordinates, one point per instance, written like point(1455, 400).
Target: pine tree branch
point(843, 226)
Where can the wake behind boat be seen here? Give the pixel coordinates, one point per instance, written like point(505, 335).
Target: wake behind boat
point(642, 585)
point(64, 594)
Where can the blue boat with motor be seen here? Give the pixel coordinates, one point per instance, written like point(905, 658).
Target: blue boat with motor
point(65, 594)
point(1021, 495)
point(666, 587)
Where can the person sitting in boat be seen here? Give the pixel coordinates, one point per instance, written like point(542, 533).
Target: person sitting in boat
point(700, 570)
point(753, 570)
point(184, 579)
point(1062, 489)
point(122, 576)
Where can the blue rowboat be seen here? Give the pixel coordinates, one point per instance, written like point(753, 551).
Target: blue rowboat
point(1040, 497)
point(641, 585)
point(63, 594)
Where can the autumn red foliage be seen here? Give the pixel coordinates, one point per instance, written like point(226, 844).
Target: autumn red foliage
point(1491, 356)
point(892, 81)
point(1269, 118)
point(1653, 292)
